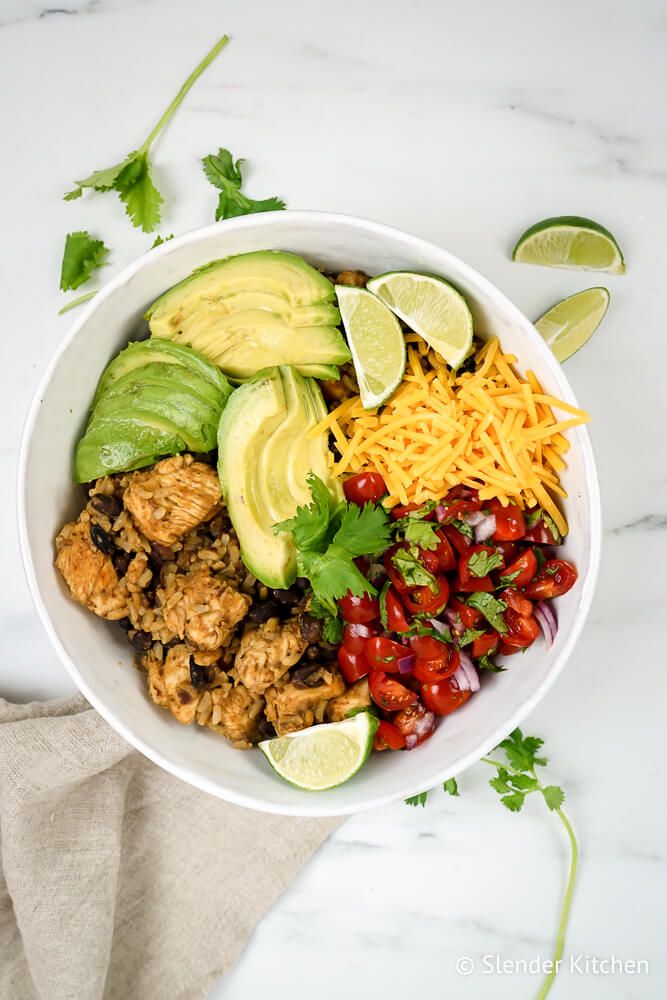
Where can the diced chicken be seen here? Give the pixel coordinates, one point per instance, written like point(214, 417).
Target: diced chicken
point(89, 573)
point(358, 696)
point(236, 714)
point(296, 704)
point(154, 667)
point(267, 652)
point(181, 684)
point(357, 279)
point(203, 609)
point(172, 498)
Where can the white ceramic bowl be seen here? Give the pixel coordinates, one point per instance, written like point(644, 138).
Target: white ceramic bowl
point(96, 653)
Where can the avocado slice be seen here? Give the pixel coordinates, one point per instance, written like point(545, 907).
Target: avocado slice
point(144, 352)
point(252, 311)
point(194, 420)
point(170, 377)
point(118, 444)
point(264, 458)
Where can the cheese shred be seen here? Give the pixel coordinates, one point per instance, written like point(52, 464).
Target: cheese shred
point(488, 429)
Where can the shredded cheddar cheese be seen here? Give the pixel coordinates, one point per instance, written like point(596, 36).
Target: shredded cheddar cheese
point(488, 429)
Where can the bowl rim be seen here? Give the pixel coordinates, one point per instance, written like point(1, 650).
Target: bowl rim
point(306, 806)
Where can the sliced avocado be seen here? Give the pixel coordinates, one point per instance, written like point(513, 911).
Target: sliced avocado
point(144, 352)
point(251, 311)
point(118, 444)
point(326, 373)
point(170, 377)
point(195, 421)
point(264, 458)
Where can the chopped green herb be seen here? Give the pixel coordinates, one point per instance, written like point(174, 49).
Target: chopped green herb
point(463, 527)
point(82, 256)
point(484, 663)
point(419, 629)
point(481, 563)
point(507, 578)
point(469, 636)
point(450, 786)
point(411, 569)
point(417, 800)
point(423, 534)
point(540, 556)
point(73, 303)
point(225, 174)
point(159, 240)
point(491, 608)
point(382, 600)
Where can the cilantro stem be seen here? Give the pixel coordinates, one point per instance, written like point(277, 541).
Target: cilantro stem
point(567, 903)
point(73, 303)
point(182, 93)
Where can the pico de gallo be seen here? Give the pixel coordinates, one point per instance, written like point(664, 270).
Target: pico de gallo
point(463, 581)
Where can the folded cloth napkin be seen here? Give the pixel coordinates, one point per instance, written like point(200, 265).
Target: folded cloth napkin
point(117, 880)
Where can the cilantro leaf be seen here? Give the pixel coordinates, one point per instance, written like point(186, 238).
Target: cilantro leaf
point(450, 787)
point(514, 802)
point(553, 796)
point(82, 256)
point(419, 629)
point(540, 556)
point(521, 751)
point(309, 526)
point(507, 578)
point(363, 530)
point(421, 533)
point(501, 783)
point(481, 563)
point(225, 174)
point(382, 601)
point(159, 240)
point(484, 663)
point(411, 569)
point(491, 608)
point(463, 527)
point(417, 800)
point(538, 514)
point(131, 177)
point(332, 574)
point(469, 636)
point(332, 626)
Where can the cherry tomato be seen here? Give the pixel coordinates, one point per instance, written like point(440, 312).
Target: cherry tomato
point(470, 617)
point(388, 693)
point(541, 533)
point(444, 697)
point(467, 579)
point(522, 630)
point(554, 579)
point(510, 522)
point(359, 609)
point(446, 557)
point(353, 666)
point(459, 542)
point(456, 510)
point(388, 737)
point(430, 560)
point(516, 601)
point(393, 574)
point(396, 618)
point(424, 600)
point(526, 567)
point(415, 723)
point(484, 645)
point(384, 654)
point(355, 636)
point(402, 510)
point(433, 671)
point(365, 487)
point(507, 649)
point(508, 551)
point(427, 647)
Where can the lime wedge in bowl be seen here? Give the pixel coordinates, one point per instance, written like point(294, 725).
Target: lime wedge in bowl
point(323, 756)
point(376, 341)
point(570, 241)
point(432, 308)
point(570, 324)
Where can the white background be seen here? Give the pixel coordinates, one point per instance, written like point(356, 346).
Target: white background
point(462, 123)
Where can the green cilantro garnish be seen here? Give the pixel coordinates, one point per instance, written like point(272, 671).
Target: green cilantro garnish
point(417, 800)
point(73, 303)
point(539, 514)
point(507, 578)
point(159, 240)
point(450, 786)
point(419, 629)
point(332, 626)
point(225, 174)
point(463, 527)
point(310, 526)
point(82, 256)
point(131, 178)
point(491, 608)
point(382, 601)
point(540, 556)
point(485, 663)
point(481, 563)
point(411, 569)
point(422, 533)
point(469, 636)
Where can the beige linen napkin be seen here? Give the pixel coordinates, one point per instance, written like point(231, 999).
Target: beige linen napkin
point(118, 880)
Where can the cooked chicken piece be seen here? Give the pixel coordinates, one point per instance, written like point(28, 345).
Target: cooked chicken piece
point(154, 667)
point(203, 609)
point(236, 713)
point(267, 652)
point(89, 572)
point(184, 673)
point(172, 498)
point(295, 703)
point(356, 278)
point(358, 696)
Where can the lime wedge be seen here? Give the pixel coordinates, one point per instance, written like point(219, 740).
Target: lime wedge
point(570, 241)
point(324, 756)
point(571, 323)
point(376, 341)
point(430, 307)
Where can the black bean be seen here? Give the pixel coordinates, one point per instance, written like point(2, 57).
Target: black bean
point(312, 653)
point(302, 582)
point(125, 624)
point(266, 729)
point(161, 553)
point(287, 597)
point(121, 561)
point(262, 612)
point(199, 674)
point(304, 676)
point(101, 540)
point(311, 628)
point(107, 505)
point(141, 641)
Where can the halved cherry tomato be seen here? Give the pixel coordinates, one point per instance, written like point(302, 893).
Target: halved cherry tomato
point(359, 609)
point(470, 617)
point(427, 647)
point(526, 567)
point(393, 574)
point(522, 630)
point(444, 697)
point(388, 737)
point(459, 542)
point(456, 510)
point(402, 510)
point(396, 618)
point(355, 636)
point(484, 645)
point(365, 487)
point(415, 723)
point(468, 582)
point(508, 551)
point(353, 666)
point(540, 533)
point(423, 599)
point(516, 601)
point(510, 522)
point(433, 671)
point(388, 693)
point(554, 579)
point(430, 560)
point(507, 649)
point(384, 654)
point(446, 557)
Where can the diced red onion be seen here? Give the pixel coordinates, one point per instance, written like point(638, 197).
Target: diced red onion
point(423, 726)
point(547, 621)
point(453, 618)
point(376, 572)
point(438, 626)
point(465, 675)
point(440, 512)
point(485, 528)
point(406, 663)
point(474, 518)
point(361, 631)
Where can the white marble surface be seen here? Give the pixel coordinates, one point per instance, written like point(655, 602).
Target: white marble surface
point(463, 123)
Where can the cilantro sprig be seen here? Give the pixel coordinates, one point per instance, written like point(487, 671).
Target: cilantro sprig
point(82, 255)
point(226, 175)
point(515, 779)
point(131, 178)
